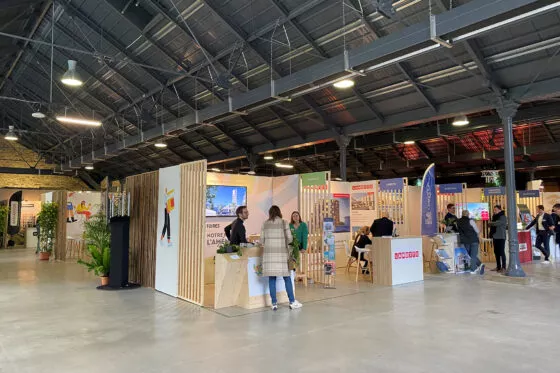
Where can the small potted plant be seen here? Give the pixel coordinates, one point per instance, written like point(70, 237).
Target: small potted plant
point(47, 220)
point(98, 240)
point(227, 248)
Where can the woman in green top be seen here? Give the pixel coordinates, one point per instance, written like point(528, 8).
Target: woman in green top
point(300, 230)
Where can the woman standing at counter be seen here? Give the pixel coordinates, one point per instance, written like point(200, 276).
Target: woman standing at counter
point(300, 230)
point(275, 238)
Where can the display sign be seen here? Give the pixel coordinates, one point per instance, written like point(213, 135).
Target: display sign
point(462, 260)
point(223, 200)
point(428, 204)
point(495, 191)
point(524, 214)
point(80, 207)
point(215, 236)
point(451, 188)
point(15, 213)
point(167, 245)
point(525, 247)
point(328, 239)
point(478, 210)
point(406, 260)
point(529, 193)
point(258, 285)
point(314, 179)
point(391, 185)
point(341, 212)
point(362, 204)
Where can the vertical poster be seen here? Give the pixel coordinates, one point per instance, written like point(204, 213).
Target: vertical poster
point(80, 207)
point(428, 203)
point(328, 239)
point(15, 213)
point(341, 213)
point(362, 204)
point(167, 245)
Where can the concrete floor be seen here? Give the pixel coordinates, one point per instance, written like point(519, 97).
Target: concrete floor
point(53, 320)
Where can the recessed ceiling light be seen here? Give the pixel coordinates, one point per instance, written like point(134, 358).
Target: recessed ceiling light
point(89, 167)
point(268, 157)
point(71, 76)
point(215, 169)
point(11, 135)
point(87, 122)
point(346, 83)
point(460, 121)
point(38, 115)
point(160, 145)
point(409, 142)
point(284, 165)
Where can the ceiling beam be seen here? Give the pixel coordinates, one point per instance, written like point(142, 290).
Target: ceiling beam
point(408, 75)
point(549, 132)
point(368, 104)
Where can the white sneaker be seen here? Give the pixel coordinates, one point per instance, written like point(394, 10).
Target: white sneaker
point(295, 305)
point(274, 307)
point(546, 261)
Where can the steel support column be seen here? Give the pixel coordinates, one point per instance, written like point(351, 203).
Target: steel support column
point(507, 110)
point(343, 142)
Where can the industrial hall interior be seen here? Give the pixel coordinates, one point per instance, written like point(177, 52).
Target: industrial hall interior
point(279, 185)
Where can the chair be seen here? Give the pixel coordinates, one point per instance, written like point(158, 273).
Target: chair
point(366, 251)
point(349, 256)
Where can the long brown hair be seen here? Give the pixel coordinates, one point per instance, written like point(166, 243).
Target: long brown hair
point(274, 212)
point(292, 217)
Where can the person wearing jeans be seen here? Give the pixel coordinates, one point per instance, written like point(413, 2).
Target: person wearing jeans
point(468, 234)
point(545, 228)
point(276, 238)
point(498, 234)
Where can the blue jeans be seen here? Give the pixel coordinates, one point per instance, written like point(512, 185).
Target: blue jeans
point(289, 288)
point(472, 249)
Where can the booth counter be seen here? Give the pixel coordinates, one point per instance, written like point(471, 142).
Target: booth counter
point(239, 281)
point(397, 260)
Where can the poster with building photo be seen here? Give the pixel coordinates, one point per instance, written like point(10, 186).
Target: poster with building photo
point(362, 198)
point(341, 213)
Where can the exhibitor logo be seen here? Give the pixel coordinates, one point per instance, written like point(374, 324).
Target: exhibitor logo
point(407, 255)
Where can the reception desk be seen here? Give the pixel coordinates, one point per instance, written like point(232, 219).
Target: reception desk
point(397, 260)
point(239, 281)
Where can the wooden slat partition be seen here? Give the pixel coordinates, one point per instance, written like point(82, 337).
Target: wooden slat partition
point(60, 197)
point(193, 232)
point(395, 204)
point(143, 191)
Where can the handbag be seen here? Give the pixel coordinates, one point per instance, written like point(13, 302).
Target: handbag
point(291, 260)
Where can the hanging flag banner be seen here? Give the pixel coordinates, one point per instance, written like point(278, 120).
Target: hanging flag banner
point(495, 191)
point(314, 179)
point(15, 213)
point(529, 193)
point(451, 188)
point(429, 209)
point(391, 185)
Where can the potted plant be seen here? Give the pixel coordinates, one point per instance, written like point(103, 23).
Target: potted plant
point(47, 220)
point(98, 240)
point(3, 223)
point(227, 248)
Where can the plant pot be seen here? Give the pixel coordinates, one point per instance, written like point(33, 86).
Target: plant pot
point(44, 255)
point(104, 280)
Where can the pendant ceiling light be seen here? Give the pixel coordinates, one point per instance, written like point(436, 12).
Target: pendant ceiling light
point(89, 167)
point(86, 122)
point(11, 135)
point(268, 157)
point(460, 120)
point(71, 76)
point(346, 83)
point(284, 165)
point(38, 114)
point(160, 145)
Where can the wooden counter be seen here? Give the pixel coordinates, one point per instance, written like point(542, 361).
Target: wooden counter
point(239, 281)
point(397, 260)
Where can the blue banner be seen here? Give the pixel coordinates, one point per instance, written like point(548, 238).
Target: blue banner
point(529, 193)
point(451, 188)
point(391, 185)
point(429, 209)
point(495, 191)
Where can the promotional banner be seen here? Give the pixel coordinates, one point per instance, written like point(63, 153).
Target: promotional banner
point(362, 204)
point(314, 179)
point(529, 193)
point(450, 188)
point(525, 214)
point(428, 202)
point(391, 185)
point(80, 207)
point(406, 260)
point(495, 191)
point(167, 245)
point(328, 239)
point(15, 213)
point(341, 213)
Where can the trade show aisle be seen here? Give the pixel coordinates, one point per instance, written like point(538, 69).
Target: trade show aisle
point(53, 320)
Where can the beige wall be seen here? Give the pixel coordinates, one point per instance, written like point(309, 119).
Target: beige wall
point(28, 194)
point(41, 182)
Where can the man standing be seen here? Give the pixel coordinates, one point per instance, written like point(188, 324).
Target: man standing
point(235, 232)
point(545, 227)
point(382, 227)
point(498, 234)
point(556, 220)
point(468, 234)
point(450, 219)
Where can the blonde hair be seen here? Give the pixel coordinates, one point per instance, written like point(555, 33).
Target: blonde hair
point(363, 230)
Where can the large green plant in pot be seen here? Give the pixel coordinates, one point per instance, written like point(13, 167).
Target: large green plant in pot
point(98, 240)
point(3, 219)
point(47, 219)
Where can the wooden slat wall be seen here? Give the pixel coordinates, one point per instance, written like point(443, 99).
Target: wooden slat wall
point(193, 232)
point(395, 203)
point(143, 191)
point(60, 197)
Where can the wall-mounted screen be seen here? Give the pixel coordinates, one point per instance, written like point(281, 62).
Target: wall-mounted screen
point(478, 210)
point(223, 200)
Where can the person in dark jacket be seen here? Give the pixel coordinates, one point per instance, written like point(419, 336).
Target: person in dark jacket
point(382, 227)
point(498, 234)
point(545, 227)
point(450, 219)
point(468, 234)
point(556, 220)
point(235, 232)
point(360, 242)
